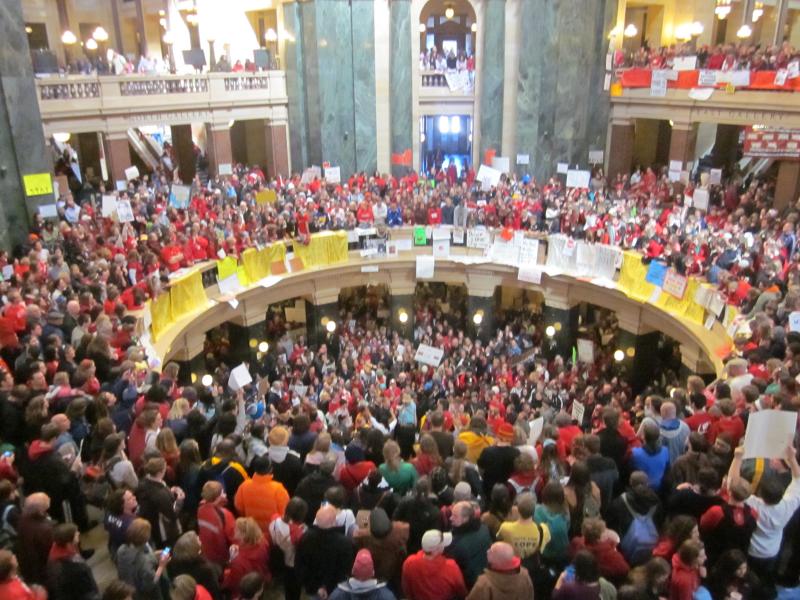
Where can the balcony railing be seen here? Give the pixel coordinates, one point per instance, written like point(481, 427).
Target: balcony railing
point(84, 97)
point(439, 85)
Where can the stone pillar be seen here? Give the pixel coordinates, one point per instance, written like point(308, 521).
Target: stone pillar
point(191, 360)
point(401, 301)
point(620, 147)
point(317, 318)
point(682, 142)
point(218, 144)
point(641, 356)
point(400, 83)
point(491, 77)
point(118, 155)
point(694, 362)
point(564, 320)
point(22, 142)
point(245, 338)
point(787, 186)
point(277, 148)
point(484, 307)
point(184, 151)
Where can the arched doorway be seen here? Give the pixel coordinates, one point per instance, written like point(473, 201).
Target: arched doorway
point(446, 41)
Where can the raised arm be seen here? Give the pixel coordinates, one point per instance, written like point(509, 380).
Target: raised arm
point(734, 472)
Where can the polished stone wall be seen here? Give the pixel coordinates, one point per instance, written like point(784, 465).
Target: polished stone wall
point(22, 145)
point(400, 81)
point(491, 88)
point(331, 84)
point(562, 109)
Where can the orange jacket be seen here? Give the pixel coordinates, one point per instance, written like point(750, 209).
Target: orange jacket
point(262, 499)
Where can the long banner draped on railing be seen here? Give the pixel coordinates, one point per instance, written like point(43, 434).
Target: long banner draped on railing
point(746, 80)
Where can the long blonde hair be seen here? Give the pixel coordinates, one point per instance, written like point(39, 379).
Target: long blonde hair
point(248, 531)
point(178, 409)
point(391, 455)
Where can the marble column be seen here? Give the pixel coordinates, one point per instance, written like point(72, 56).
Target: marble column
point(293, 65)
point(22, 142)
point(245, 339)
point(363, 48)
point(218, 146)
point(402, 304)
point(641, 357)
point(277, 149)
point(787, 185)
point(118, 155)
point(141, 30)
point(682, 142)
point(184, 151)
point(620, 155)
point(562, 109)
point(400, 82)
point(565, 323)
point(317, 316)
point(484, 307)
point(491, 91)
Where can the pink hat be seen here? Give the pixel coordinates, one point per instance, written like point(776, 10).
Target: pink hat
point(363, 568)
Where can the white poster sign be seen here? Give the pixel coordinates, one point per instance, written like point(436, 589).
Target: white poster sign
point(585, 351)
point(595, 157)
point(441, 248)
point(562, 168)
point(182, 194)
point(333, 175)
point(715, 177)
point(239, 378)
point(578, 179)
point(488, 176)
point(700, 199)
point(131, 173)
point(530, 274)
point(124, 211)
point(794, 321)
point(225, 169)
point(536, 426)
point(425, 267)
point(109, 206)
point(428, 355)
point(523, 159)
point(684, 63)
point(769, 433)
point(478, 238)
point(578, 410)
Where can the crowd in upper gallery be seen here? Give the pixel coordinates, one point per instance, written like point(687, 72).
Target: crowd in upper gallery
point(725, 57)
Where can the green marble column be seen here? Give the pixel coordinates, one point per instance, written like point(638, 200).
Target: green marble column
point(294, 66)
point(562, 109)
point(400, 81)
point(330, 74)
point(492, 67)
point(22, 144)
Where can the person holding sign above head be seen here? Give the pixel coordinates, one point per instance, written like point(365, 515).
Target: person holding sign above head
point(774, 507)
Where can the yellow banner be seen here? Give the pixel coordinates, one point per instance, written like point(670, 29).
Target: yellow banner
point(226, 267)
point(161, 311)
point(264, 196)
point(187, 295)
point(328, 248)
point(38, 184)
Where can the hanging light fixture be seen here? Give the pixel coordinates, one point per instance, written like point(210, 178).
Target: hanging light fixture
point(100, 34)
point(422, 28)
point(758, 11)
point(619, 355)
point(271, 35)
point(745, 31)
point(91, 44)
point(722, 9)
point(207, 380)
point(68, 38)
point(449, 12)
point(630, 30)
point(263, 347)
point(477, 318)
point(697, 29)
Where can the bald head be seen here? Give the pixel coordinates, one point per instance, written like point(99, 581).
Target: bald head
point(61, 421)
point(500, 554)
point(37, 503)
point(73, 308)
point(668, 410)
point(326, 517)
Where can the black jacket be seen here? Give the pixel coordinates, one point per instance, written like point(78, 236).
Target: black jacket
point(471, 541)
point(324, 558)
point(201, 570)
point(312, 489)
point(157, 505)
point(71, 579)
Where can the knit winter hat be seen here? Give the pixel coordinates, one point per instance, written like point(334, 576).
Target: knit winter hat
point(363, 567)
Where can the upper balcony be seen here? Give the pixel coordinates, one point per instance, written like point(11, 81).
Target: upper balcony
point(447, 91)
point(692, 97)
point(93, 103)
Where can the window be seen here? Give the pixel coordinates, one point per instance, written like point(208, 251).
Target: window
point(455, 124)
point(444, 124)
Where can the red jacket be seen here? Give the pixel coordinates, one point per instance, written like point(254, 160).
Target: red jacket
point(15, 589)
point(432, 578)
point(215, 526)
point(352, 475)
point(733, 426)
point(684, 581)
point(250, 558)
point(610, 561)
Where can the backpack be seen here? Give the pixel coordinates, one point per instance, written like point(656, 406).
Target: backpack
point(8, 535)
point(638, 542)
point(97, 481)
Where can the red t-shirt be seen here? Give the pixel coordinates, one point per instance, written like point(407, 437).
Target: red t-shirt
point(432, 578)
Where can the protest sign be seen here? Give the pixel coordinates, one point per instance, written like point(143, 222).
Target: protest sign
point(239, 378)
point(425, 267)
point(428, 355)
point(769, 433)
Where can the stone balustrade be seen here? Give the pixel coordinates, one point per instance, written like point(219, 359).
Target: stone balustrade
point(78, 103)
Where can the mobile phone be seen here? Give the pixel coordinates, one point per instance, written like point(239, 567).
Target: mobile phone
point(166, 550)
point(8, 454)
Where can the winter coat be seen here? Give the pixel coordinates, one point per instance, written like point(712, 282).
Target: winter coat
point(324, 558)
point(471, 541)
point(353, 589)
point(509, 585)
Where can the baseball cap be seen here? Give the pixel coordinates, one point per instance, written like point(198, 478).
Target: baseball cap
point(434, 539)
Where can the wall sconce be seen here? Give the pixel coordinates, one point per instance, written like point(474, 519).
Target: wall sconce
point(630, 30)
point(477, 318)
point(619, 355)
point(331, 326)
point(402, 316)
point(550, 331)
point(263, 347)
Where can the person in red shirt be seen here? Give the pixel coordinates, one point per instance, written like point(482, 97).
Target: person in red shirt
point(215, 524)
point(11, 586)
point(172, 256)
point(700, 421)
point(434, 215)
point(364, 213)
point(688, 568)
point(729, 423)
point(428, 574)
point(15, 312)
point(567, 432)
point(610, 561)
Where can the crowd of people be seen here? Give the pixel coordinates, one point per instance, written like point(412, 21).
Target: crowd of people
point(718, 57)
point(347, 469)
point(441, 62)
